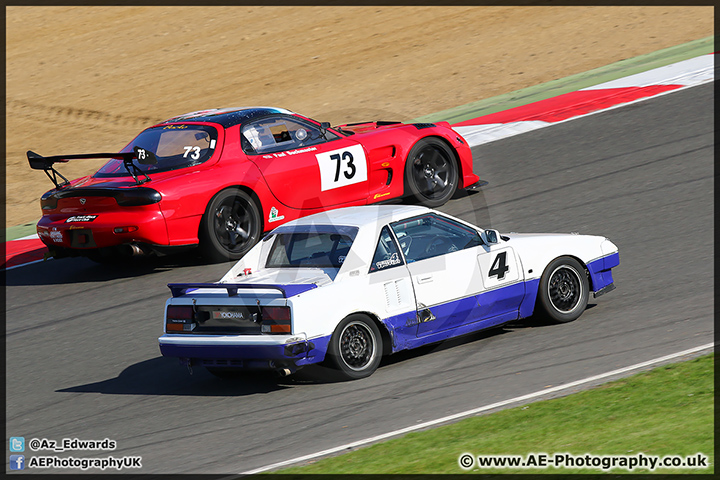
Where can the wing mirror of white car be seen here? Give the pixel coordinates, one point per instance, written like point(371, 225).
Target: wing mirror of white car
point(491, 237)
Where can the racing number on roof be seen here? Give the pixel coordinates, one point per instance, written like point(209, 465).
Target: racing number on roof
point(339, 168)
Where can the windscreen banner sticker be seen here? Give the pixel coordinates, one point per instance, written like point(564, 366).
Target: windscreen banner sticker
point(81, 218)
point(339, 168)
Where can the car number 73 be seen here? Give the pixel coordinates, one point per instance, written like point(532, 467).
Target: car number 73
point(339, 168)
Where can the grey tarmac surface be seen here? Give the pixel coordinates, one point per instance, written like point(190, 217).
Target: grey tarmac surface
point(83, 360)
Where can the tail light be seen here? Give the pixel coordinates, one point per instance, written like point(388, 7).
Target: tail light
point(179, 318)
point(275, 320)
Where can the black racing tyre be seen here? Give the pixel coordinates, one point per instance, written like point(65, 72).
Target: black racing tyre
point(230, 227)
point(564, 290)
point(355, 347)
point(431, 172)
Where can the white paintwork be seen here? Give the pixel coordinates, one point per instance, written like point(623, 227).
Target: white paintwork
point(350, 288)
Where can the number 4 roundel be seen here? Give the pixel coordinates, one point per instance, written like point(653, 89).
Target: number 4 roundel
point(345, 166)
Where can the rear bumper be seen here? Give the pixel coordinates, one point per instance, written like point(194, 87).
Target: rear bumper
point(89, 231)
point(247, 351)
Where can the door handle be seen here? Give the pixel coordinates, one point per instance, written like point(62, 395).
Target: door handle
point(424, 278)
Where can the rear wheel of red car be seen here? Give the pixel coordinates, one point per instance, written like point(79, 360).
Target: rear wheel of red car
point(356, 347)
point(431, 172)
point(231, 226)
point(564, 290)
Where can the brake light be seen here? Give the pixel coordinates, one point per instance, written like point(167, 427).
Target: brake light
point(275, 320)
point(128, 229)
point(179, 318)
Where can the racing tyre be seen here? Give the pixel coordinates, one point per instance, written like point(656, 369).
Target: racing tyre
point(355, 347)
point(231, 226)
point(431, 172)
point(564, 290)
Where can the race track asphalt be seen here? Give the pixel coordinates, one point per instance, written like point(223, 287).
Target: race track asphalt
point(83, 360)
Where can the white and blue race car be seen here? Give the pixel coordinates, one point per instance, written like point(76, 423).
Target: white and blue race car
point(348, 286)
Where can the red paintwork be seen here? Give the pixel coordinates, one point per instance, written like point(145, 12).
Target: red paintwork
point(186, 192)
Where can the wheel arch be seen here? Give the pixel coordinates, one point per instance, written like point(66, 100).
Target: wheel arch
point(386, 336)
point(253, 196)
point(456, 158)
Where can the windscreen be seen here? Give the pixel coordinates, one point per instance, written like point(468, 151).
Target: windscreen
point(175, 146)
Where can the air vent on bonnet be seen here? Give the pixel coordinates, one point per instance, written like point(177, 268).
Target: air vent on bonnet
point(420, 126)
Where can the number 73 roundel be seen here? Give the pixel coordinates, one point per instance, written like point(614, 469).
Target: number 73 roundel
point(342, 167)
point(498, 267)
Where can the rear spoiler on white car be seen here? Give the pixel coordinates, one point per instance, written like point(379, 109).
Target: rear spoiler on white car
point(288, 290)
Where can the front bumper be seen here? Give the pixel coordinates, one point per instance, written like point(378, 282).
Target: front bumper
point(245, 351)
point(89, 231)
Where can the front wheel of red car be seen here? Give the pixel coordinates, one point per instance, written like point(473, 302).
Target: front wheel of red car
point(431, 172)
point(231, 226)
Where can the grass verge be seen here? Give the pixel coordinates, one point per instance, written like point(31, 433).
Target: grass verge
point(665, 411)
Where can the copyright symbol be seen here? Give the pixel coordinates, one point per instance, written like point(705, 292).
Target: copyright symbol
point(466, 461)
point(34, 444)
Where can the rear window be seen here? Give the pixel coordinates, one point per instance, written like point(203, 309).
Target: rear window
point(311, 248)
point(175, 146)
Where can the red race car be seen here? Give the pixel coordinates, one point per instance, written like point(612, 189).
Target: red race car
point(219, 178)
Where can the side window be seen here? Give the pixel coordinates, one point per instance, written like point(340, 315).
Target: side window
point(386, 254)
point(279, 134)
point(431, 235)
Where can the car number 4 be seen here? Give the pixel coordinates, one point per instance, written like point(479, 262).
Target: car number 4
point(339, 168)
point(499, 266)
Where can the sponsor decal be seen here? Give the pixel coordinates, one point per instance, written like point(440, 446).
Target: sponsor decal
point(81, 218)
point(301, 150)
point(378, 195)
point(393, 260)
point(56, 235)
point(274, 217)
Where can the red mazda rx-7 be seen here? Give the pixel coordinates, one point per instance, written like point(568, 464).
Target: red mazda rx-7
point(217, 179)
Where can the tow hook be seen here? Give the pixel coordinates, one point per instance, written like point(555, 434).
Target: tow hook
point(187, 362)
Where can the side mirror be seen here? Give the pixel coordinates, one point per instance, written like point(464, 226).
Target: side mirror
point(323, 129)
point(145, 157)
point(491, 236)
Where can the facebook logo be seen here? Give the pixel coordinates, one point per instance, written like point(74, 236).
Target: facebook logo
point(17, 462)
point(17, 444)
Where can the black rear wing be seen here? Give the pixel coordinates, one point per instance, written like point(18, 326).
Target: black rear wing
point(286, 290)
point(144, 157)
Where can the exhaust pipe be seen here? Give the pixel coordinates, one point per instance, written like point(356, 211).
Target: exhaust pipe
point(284, 372)
point(132, 250)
